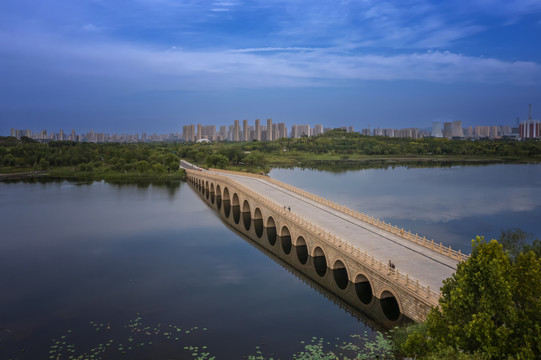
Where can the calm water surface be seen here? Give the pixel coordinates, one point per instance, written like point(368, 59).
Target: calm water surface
point(449, 204)
point(72, 254)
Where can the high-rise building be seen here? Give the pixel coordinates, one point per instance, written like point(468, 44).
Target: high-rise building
point(223, 133)
point(294, 132)
point(457, 129)
point(236, 131)
point(318, 130)
point(448, 129)
point(482, 131)
point(269, 130)
point(282, 130)
point(436, 129)
point(199, 132)
point(257, 134)
point(245, 130)
point(529, 129)
point(494, 131)
point(188, 132)
point(303, 130)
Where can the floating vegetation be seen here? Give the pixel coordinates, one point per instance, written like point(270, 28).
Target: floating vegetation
point(134, 335)
point(132, 338)
point(359, 347)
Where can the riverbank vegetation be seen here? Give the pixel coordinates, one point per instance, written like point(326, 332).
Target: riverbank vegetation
point(489, 309)
point(335, 150)
point(88, 161)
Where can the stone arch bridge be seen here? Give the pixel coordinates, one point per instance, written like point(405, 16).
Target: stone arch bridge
point(354, 247)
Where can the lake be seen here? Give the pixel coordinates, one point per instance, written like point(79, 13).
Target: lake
point(150, 271)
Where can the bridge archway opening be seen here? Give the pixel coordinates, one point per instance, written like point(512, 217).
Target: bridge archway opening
point(227, 202)
point(389, 305)
point(218, 197)
point(207, 190)
point(302, 250)
point(271, 231)
point(320, 261)
point(236, 208)
point(363, 289)
point(285, 240)
point(246, 215)
point(212, 196)
point(340, 274)
point(258, 222)
point(202, 187)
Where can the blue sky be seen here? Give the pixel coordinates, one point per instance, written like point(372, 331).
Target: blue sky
point(155, 65)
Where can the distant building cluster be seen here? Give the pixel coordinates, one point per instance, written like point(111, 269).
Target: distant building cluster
point(267, 131)
point(413, 133)
point(95, 137)
point(261, 131)
point(454, 130)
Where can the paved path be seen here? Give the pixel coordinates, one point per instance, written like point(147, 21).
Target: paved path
point(428, 266)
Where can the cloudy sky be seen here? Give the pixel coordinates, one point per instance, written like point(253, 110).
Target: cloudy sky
point(155, 65)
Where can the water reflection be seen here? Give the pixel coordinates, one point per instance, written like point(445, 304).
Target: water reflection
point(334, 284)
point(341, 166)
point(448, 203)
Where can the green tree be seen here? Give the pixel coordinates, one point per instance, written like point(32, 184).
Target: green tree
point(159, 168)
point(217, 161)
point(142, 166)
point(255, 158)
point(43, 164)
point(491, 305)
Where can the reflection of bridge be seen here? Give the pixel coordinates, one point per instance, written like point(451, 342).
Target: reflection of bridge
point(355, 248)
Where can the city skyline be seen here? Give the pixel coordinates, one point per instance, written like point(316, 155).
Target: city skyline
point(246, 132)
point(149, 66)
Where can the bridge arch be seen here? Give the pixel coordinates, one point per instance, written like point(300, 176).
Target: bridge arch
point(227, 202)
point(389, 303)
point(246, 215)
point(212, 196)
point(363, 288)
point(271, 230)
point(235, 204)
point(207, 190)
point(285, 240)
point(258, 222)
point(301, 248)
point(218, 197)
point(320, 261)
point(340, 274)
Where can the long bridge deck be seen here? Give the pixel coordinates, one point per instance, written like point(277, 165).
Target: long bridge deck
point(420, 262)
point(346, 239)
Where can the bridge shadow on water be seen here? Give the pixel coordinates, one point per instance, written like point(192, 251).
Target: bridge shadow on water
point(354, 298)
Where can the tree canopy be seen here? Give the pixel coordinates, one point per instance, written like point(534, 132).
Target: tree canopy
point(490, 307)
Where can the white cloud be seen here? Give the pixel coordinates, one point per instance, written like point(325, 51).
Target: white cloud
point(91, 28)
point(269, 49)
point(171, 68)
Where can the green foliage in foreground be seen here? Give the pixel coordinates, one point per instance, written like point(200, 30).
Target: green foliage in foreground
point(490, 308)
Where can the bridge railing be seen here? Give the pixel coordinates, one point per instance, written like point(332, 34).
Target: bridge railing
point(408, 235)
point(359, 255)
